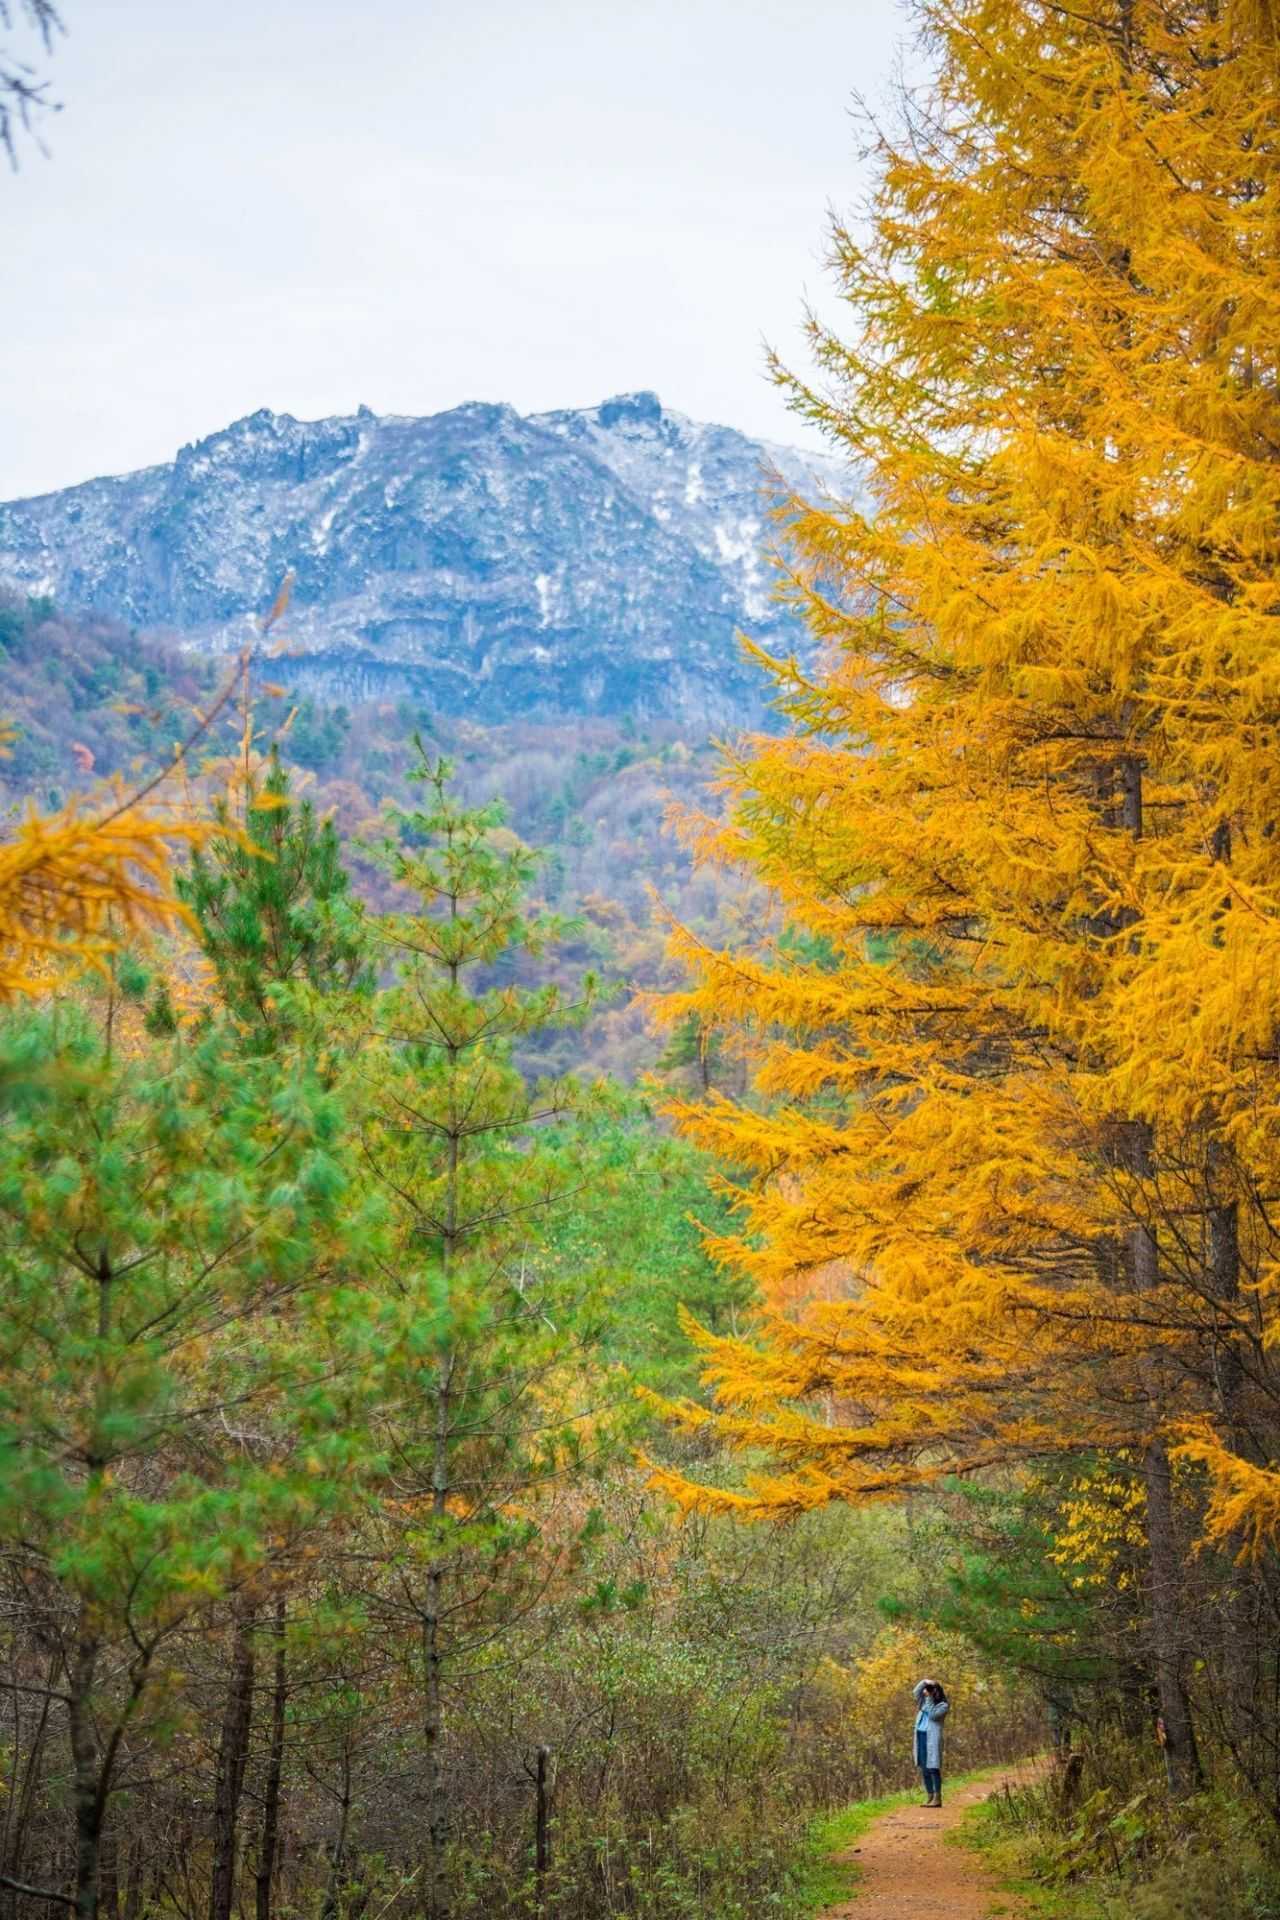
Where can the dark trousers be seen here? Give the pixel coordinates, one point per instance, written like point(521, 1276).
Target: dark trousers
point(932, 1776)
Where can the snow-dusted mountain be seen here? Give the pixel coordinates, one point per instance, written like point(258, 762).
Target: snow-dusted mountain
point(502, 566)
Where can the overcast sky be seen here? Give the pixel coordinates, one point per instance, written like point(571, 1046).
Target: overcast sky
point(307, 205)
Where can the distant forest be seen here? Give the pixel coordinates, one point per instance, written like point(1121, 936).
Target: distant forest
point(86, 699)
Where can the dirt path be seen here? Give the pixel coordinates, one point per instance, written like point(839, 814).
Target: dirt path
point(908, 1874)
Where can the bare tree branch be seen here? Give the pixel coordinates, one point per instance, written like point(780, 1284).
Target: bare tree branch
point(24, 93)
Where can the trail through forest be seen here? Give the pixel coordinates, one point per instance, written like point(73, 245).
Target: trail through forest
point(908, 1873)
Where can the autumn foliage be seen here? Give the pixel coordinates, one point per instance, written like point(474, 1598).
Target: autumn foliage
point(78, 881)
point(330, 1288)
point(71, 883)
point(1015, 1058)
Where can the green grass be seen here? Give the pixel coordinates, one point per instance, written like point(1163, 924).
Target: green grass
point(824, 1879)
point(1013, 1861)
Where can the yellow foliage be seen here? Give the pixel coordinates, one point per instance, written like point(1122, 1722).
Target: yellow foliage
point(1101, 1529)
point(73, 882)
point(1244, 1508)
point(1015, 1064)
point(879, 1710)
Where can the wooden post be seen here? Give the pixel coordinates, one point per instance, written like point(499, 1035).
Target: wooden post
point(540, 1774)
point(542, 1847)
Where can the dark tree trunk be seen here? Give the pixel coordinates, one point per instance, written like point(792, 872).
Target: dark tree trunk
point(1182, 1755)
point(1241, 1647)
point(1164, 1559)
point(269, 1844)
point(432, 1612)
point(1224, 1272)
point(133, 1885)
point(233, 1752)
point(433, 1735)
point(338, 1846)
point(542, 1822)
point(1224, 1226)
point(85, 1771)
point(18, 1808)
point(1164, 1562)
point(109, 1875)
point(1241, 1643)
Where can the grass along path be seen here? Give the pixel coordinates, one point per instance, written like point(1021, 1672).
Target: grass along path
point(904, 1870)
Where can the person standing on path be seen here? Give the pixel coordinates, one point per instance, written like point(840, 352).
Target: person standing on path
point(932, 1706)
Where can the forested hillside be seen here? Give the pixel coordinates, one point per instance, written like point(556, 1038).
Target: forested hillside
point(85, 698)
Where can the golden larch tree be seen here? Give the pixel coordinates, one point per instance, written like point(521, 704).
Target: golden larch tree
point(1018, 1048)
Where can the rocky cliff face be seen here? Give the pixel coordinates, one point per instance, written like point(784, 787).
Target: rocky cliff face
point(489, 564)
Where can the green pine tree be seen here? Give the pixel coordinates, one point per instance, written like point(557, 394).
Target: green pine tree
point(1010, 1589)
point(288, 949)
point(178, 1352)
point(488, 1399)
point(652, 1200)
point(273, 909)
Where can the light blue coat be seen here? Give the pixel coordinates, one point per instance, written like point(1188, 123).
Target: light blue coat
point(937, 1712)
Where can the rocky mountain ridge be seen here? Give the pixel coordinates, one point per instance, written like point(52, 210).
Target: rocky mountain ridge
point(594, 561)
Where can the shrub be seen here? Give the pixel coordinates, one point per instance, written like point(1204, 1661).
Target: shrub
point(1206, 1886)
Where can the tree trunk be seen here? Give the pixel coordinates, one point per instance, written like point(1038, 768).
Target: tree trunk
point(432, 1651)
point(109, 1874)
point(84, 1766)
point(542, 1824)
point(338, 1848)
point(1224, 1224)
point(233, 1752)
point(1163, 1559)
point(133, 1884)
point(433, 1734)
point(1224, 1270)
point(1241, 1644)
point(1182, 1755)
point(18, 1806)
point(269, 1843)
point(1242, 1649)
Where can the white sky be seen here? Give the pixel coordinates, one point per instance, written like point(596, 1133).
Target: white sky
point(306, 204)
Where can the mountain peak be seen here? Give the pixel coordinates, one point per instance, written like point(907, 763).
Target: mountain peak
point(598, 561)
point(630, 409)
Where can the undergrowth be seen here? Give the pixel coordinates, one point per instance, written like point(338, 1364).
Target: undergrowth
point(1115, 1846)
